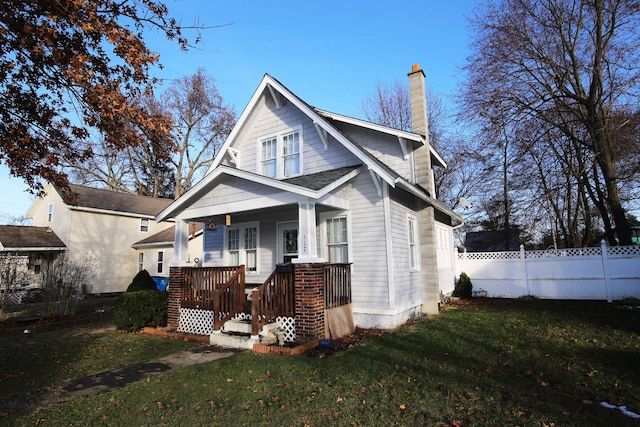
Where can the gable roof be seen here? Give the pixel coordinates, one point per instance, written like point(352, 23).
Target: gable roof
point(323, 121)
point(97, 199)
point(274, 86)
point(27, 238)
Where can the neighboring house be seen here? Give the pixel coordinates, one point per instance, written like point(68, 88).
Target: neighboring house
point(294, 183)
point(492, 241)
point(101, 223)
point(155, 253)
point(32, 248)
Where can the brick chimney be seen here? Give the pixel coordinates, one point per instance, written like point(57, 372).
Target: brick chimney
point(420, 125)
point(424, 178)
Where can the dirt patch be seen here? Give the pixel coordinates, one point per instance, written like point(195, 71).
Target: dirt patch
point(333, 347)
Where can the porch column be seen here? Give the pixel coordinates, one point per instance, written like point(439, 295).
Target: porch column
point(173, 309)
point(181, 243)
point(310, 317)
point(307, 242)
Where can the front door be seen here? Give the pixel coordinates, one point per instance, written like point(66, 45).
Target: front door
point(287, 241)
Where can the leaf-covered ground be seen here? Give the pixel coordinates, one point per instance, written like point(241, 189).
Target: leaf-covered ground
point(487, 362)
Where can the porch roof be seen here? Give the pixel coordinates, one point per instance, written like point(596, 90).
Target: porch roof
point(23, 238)
point(316, 186)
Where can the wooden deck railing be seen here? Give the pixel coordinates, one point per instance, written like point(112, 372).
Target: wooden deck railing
point(337, 285)
point(275, 297)
point(207, 287)
point(229, 299)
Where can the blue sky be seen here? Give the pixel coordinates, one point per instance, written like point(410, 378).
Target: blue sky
point(330, 53)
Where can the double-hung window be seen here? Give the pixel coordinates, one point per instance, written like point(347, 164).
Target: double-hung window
point(242, 246)
point(412, 234)
point(160, 267)
point(140, 261)
point(269, 157)
point(280, 155)
point(337, 240)
point(144, 225)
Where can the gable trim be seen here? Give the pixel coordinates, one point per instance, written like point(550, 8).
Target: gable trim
point(269, 83)
point(295, 191)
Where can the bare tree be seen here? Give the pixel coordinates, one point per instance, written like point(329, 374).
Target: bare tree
point(572, 66)
point(167, 163)
point(202, 121)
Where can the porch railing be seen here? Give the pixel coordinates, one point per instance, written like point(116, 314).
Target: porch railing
point(275, 297)
point(208, 287)
point(229, 299)
point(337, 285)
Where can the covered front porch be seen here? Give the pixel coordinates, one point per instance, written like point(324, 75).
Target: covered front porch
point(298, 304)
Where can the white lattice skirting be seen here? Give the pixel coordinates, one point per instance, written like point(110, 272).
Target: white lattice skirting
point(288, 324)
point(200, 322)
point(195, 321)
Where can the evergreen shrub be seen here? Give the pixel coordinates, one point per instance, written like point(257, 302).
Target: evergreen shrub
point(136, 310)
point(463, 288)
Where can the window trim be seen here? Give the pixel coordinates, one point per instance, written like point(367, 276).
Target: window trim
point(280, 155)
point(160, 262)
point(322, 228)
point(242, 251)
point(413, 246)
point(144, 225)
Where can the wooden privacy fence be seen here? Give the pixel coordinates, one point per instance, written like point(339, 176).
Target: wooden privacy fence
point(599, 273)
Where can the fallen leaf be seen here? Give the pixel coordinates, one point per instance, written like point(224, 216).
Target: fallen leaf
point(403, 406)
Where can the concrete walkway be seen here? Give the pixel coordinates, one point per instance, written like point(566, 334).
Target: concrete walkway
point(110, 380)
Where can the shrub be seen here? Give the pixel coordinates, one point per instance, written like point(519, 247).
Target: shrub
point(135, 310)
point(463, 288)
point(142, 282)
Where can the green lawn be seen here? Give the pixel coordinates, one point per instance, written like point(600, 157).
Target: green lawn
point(527, 363)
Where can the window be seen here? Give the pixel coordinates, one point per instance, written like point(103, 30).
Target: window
point(144, 225)
point(50, 213)
point(251, 248)
point(337, 240)
point(233, 246)
point(140, 261)
point(291, 154)
point(280, 156)
point(269, 157)
point(242, 246)
point(413, 246)
point(160, 262)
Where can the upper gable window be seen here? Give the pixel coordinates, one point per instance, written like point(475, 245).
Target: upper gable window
point(144, 225)
point(280, 155)
point(50, 213)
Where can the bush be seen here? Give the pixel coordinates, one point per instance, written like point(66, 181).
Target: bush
point(142, 282)
point(464, 288)
point(135, 310)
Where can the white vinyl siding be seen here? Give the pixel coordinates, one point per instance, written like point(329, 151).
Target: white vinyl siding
point(280, 155)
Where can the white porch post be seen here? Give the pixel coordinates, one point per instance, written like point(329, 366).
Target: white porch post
point(307, 242)
point(181, 243)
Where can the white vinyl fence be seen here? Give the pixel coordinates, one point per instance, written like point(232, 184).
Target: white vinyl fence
point(600, 273)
